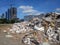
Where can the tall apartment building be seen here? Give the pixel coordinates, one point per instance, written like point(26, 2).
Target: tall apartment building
point(11, 13)
point(2, 16)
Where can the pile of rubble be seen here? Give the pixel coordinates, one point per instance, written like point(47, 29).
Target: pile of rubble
point(45, 30)
point(50, 32)
point(20, 28)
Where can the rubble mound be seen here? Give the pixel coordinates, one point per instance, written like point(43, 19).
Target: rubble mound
point(43, 31)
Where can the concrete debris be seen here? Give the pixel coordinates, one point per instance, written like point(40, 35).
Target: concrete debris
point(19, 28)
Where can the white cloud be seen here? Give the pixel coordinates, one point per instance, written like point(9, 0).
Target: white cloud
point(58, 9)
point(25, 7)
point(29, 10)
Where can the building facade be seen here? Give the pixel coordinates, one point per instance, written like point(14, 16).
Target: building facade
point(11, 13)
point(29, 17)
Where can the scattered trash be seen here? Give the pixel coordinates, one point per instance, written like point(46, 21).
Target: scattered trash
point(26, 40)
point(39, 28)
point(4, 31)
point(8, 36)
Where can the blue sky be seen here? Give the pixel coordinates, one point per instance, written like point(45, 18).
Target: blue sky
point(30, 7)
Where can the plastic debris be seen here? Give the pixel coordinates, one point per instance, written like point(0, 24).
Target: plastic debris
point(39, 28)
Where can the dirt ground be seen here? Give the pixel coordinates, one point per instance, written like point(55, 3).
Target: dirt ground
point(7, 41)
point(16, 40)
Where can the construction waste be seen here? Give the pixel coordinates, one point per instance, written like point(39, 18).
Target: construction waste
point(19, 28)
point(36, 32)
